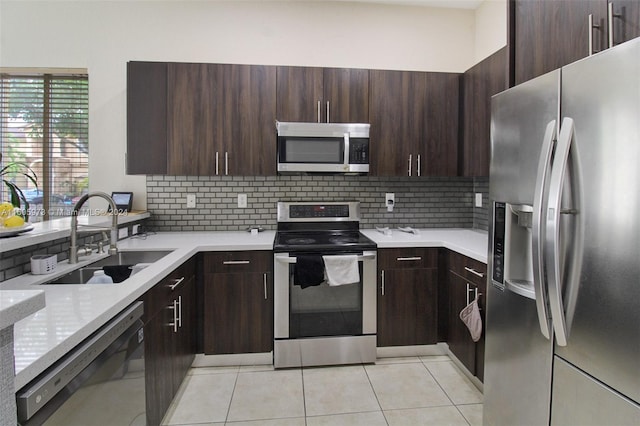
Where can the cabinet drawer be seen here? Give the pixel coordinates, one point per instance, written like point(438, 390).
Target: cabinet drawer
point(238, 261)
point(471, 270)
point(159, 296)
point(407, 258)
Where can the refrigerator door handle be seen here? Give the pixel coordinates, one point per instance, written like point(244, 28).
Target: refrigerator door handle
point(537, 229)
point(562, 321)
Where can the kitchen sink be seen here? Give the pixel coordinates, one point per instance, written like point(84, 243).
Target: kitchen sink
point(118, 266)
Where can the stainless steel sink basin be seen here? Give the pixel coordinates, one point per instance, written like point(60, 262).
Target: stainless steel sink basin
point(118, 266)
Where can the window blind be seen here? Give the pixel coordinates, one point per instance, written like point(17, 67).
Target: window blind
point(44, 123)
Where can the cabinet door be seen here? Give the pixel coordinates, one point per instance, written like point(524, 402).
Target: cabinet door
point(396, 110)
point(480, 83)
point(347, 91)
point(299, 94)
point(407, 307)
point(158, 343)
point(626, 20)
point(146, 118)
point(238, 313)
point(248, 109)
point(437, 150)
point(550, 34)
point(459, 339)
point(184, 337)
point(195, 124)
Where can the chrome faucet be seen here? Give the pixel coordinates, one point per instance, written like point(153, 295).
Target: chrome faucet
point(74, 252)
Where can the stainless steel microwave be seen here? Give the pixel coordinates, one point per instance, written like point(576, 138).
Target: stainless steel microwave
point(323, 147)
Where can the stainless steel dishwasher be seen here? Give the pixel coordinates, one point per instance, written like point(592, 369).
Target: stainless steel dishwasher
point(100, 382)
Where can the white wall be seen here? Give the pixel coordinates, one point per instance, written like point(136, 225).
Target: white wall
point(491, 28)
point(103, 35)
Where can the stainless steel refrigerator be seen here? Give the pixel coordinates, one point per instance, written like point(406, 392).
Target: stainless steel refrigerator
point(563, 303)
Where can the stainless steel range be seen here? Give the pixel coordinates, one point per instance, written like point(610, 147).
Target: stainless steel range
point(325, 286)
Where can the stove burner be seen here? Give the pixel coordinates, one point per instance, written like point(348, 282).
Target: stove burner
point(343, 240)
point(293, 241)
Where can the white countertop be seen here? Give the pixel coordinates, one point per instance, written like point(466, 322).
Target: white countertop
point(60, 228)
point(469, 242)
point(18, 304)
point(73, 312)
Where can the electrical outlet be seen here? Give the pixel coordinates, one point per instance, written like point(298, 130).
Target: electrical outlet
point(191, 201)
point(478, 199)
point(242, 201)
point(135, 229)
point(389, 201)
point(123, 233)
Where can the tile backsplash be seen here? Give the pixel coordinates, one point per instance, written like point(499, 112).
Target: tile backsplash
point(419, 202)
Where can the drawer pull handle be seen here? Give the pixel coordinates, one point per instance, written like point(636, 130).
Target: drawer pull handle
point(474, 272)
point(403, 259)
point(264, 282)
point(178, 281)
point(236, 262)
point(382, 280)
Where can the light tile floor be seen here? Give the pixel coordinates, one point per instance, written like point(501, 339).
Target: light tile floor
point(427, 390)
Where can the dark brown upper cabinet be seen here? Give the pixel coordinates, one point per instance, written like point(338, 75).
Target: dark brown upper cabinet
point(200, 119)
point(546, 35)
point(480, 82)
point(414, 123)
point(146, 118)
point(327, 95)
point(220, 119)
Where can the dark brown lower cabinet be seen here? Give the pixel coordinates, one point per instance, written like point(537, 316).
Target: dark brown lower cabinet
point(407, 297)
point(465, 278)
point(169, 333)
point(238, 302)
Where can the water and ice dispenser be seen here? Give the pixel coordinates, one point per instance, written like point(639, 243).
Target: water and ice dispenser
point(512, 248)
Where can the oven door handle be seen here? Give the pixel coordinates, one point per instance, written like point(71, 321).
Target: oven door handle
point(295, 260)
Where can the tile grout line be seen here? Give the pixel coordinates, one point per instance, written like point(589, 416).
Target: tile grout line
point(233, 391)
point(376, 395)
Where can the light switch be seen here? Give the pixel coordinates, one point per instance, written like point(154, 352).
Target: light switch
point(191, 201)
point(242, 201)
point(478, 199)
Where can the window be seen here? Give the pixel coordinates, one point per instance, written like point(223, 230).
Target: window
point(44, 123)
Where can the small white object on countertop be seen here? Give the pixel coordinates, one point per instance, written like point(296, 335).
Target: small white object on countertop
point(43, 264)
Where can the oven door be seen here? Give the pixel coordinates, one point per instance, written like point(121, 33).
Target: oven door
point(324, 319)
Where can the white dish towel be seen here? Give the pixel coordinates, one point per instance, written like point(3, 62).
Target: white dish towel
point(341, 269)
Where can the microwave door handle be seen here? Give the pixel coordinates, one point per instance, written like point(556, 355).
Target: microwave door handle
point(346, 149)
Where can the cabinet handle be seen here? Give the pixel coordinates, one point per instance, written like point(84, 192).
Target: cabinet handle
point(236, 262)
point(468, 289)
point(217, 163)
point(264, 282)
point(328, 119)
point(418, 166)
point(226, 163)
point(174, 308)
point(404, 259)
point(409, 164)
point(318, 111)
point(610, 17)
point(474, 272)
point(382, 279)
point(176, 283)
point(180, 311)
point(592, 26)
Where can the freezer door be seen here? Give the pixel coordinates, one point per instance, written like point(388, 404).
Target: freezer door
point(601, 95)
point(518, 358)
point(519, 118)
point(580, 400)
